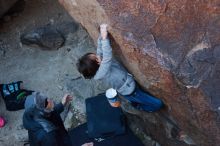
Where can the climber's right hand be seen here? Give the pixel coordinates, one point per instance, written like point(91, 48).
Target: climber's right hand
point(103, 31)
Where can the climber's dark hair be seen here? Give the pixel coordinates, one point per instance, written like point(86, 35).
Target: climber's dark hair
point(87, 66)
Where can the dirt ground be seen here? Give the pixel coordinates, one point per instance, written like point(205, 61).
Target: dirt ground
point(51, 72)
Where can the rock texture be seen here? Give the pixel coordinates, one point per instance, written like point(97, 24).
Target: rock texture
point(5, 5)
point(44, 37)
point(172, 47)
point(49, 37)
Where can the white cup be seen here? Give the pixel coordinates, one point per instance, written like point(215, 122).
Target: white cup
point(111, 95)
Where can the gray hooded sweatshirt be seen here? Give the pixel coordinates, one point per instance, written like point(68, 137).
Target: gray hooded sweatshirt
point(111, 72)
point(36, 111)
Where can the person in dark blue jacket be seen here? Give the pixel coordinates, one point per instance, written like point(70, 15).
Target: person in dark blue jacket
point(43, 122)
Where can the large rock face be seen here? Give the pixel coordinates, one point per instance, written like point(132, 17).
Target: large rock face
point(172, 47)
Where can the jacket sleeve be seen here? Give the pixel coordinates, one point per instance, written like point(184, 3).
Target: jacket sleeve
point(106, 60)
point(28, 121)
point(99, 49)
point(59, 108)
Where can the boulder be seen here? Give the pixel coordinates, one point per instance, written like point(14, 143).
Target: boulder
point(49, 37)
point(45, 37)
point(172, 48)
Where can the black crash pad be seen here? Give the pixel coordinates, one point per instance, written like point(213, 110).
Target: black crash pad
point(102, 119)
point(79, 136)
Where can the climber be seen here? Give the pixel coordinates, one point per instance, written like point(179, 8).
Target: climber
point(101, 66)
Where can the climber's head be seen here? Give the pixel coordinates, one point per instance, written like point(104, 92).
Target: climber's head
point(88, 65)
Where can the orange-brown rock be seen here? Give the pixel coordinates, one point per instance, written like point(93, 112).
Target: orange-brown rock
point(172, 47)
